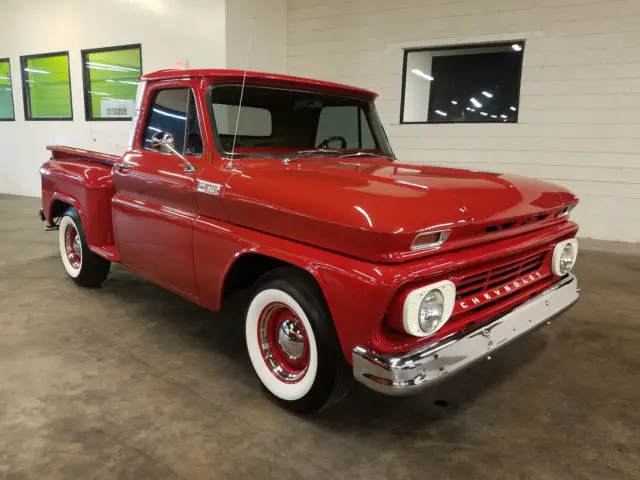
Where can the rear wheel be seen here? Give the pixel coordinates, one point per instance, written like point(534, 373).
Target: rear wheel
point(82, 265)
point(293, 344)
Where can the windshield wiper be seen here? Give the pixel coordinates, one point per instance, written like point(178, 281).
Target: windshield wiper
point(365, 154)
point(338, 153)
point(316, 151)
point(310, 153)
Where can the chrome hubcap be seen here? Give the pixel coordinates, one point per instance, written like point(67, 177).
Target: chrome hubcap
point(291, 339)
point(76, 246)
point(283, 342)
point(73, 247)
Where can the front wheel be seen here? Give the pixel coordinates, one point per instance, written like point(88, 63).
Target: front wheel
point(293, 345)
point(82, 265)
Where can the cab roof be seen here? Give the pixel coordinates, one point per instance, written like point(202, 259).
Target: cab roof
point(257, 77)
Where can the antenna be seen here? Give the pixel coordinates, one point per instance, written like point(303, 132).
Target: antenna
point(244, 80)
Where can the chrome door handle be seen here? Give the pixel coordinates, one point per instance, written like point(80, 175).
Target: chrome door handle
point(123, 166)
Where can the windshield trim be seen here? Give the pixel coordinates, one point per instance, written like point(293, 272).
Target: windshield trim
point(380, 136)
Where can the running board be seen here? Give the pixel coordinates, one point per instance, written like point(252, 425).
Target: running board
point(108, 252)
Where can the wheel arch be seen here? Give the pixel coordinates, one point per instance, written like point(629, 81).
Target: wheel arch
point(247, 267)
point(356, 292)
point(60, 204)
point(94, 210)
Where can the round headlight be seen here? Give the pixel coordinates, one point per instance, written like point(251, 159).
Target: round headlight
point(564, 257)
point(427, 309)
point(431, 311)
point(567, 257)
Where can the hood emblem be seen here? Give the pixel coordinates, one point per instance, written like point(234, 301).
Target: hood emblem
point(208, 188)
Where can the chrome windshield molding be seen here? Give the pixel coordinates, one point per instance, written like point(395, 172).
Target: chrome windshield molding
point(436, 361)
point(142, 85)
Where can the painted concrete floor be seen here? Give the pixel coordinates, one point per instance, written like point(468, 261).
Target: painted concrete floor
point(130, 381)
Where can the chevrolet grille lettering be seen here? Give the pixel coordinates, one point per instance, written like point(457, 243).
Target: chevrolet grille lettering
point(504, 289)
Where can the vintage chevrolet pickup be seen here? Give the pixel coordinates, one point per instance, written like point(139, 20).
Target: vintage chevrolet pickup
point(397, 275)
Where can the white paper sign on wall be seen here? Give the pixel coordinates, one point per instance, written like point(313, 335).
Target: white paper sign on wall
point(111, 108)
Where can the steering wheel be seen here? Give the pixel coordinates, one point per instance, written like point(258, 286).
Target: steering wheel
point(325, 143)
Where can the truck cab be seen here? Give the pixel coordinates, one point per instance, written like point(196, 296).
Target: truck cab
point(361, 267)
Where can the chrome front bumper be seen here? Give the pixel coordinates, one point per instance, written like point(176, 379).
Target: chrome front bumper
point(432, 363)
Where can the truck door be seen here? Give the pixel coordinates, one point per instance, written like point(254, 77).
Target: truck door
point(155, 205)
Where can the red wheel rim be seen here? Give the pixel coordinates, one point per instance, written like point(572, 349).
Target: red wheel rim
point(284, 343)
point(73, 246)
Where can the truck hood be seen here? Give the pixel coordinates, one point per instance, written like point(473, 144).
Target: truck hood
point(372, 209)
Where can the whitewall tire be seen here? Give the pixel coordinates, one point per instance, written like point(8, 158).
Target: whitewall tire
point(276, 311)
point(70, 246)
point(292, 342)
point(81, 264)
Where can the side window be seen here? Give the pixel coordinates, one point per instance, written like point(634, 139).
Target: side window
point(348, 122)
point(173, 111)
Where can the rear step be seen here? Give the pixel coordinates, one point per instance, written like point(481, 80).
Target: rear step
point(47, 227)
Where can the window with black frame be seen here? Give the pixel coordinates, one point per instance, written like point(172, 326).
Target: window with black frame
point(46, 86)
point(6, 91)
point(110, 81)
point(462, 84)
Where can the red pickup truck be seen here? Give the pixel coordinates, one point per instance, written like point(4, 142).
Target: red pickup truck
point(397, 275)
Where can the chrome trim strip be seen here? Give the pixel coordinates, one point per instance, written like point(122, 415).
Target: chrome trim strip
point(434, 362)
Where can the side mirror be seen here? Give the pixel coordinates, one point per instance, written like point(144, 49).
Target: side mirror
point(165, 143)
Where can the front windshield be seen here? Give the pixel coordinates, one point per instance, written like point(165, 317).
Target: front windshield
point(282, 122)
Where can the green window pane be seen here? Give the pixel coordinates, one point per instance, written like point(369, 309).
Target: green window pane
point(111, 79)
point(47, 87)
point(6, 91)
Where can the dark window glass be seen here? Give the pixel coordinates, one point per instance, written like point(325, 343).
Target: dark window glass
point(276, 121)
point(252, 122)
point(465, 84)
point(348, 122)
point(169, 113)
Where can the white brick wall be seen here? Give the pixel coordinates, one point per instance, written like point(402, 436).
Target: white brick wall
point(579, 119)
